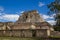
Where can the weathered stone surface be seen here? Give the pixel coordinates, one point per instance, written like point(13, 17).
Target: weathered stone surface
point(30, 16)
point(24, 33)
point(30, 20)
point(5, 25)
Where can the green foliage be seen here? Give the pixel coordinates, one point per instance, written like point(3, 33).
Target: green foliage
point(57, 20)
point(54, 36)
point(55, 8)
point(57, 28)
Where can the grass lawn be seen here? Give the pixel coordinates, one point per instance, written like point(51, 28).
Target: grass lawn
point(17, 38)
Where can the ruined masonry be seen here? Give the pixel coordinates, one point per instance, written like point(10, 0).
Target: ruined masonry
point(29, 24)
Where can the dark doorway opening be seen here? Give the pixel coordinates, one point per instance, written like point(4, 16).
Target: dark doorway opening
point(33, 33)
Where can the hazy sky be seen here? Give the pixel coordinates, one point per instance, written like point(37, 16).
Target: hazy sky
point(11, 9)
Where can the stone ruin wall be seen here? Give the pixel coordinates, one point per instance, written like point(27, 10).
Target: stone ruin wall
point(24, 33)
point(33, 15)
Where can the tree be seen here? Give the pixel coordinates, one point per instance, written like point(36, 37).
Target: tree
point(55, 8)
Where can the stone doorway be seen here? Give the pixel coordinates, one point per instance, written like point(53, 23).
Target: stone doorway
point(33, 33)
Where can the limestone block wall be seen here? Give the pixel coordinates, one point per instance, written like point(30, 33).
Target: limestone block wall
point(24, 33)
point(41, 33)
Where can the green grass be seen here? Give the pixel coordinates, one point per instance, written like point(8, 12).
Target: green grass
point(17, 38)
point(54, 36)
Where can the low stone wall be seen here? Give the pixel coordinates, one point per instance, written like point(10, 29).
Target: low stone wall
point(24, 33)
point(55, 34)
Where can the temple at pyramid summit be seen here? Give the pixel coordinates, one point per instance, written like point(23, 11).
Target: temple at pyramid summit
point(29, 24)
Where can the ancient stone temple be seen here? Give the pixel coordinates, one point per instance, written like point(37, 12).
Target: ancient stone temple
point(31, 20)
point(29, 24)
point(30, 16)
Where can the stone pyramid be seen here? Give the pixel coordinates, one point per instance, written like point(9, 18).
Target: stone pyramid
point(31, 20)
point(30, 16)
